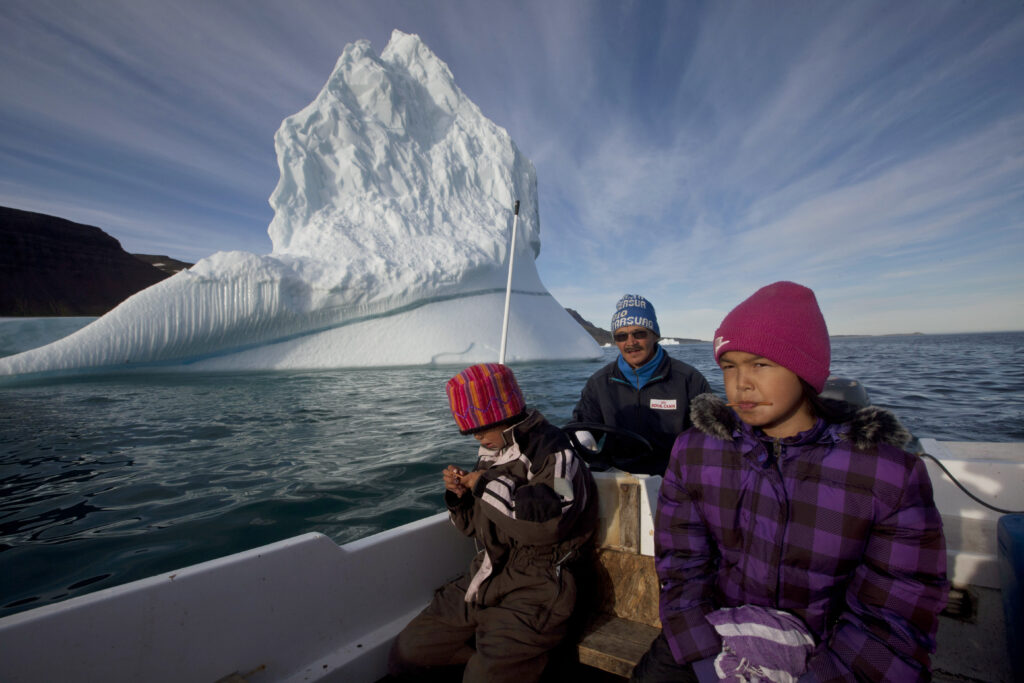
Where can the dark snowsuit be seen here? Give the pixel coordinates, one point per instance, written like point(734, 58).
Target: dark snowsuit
point(531, 510)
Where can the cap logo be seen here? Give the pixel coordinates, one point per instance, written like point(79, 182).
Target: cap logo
point(719, 343)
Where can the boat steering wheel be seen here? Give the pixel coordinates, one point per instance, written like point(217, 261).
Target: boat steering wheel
point(596, 459)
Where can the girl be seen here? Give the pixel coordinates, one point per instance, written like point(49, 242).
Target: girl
point(794, 539)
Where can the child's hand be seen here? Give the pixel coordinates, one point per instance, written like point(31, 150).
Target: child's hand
point(469, 480)
point(453, 480)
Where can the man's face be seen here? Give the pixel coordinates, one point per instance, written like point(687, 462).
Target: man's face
point(636, 344)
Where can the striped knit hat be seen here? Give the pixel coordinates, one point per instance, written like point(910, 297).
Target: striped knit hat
point(483, 395)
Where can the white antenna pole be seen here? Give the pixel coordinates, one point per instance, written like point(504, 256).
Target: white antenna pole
point(508, 287)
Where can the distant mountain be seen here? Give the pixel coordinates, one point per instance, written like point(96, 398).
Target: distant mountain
point(53, 266)
point(164, 263)
point(602, 337)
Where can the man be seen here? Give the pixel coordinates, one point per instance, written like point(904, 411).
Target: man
point(643, 391)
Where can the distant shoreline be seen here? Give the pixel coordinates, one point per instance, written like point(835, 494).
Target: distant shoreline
point(898, 334)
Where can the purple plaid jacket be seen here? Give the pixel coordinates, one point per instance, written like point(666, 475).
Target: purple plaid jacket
point(835, 525)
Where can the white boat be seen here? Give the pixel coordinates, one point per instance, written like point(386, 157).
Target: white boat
point(307, 609)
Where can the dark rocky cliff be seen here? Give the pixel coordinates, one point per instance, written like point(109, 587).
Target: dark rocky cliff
point(600, 336)
point(52, 266)
point(164, 263)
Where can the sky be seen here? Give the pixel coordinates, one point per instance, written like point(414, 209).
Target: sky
point(690, 152)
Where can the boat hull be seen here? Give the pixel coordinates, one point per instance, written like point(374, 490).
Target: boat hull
point(302, 609)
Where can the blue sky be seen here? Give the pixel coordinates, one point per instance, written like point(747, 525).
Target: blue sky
point(687, 151)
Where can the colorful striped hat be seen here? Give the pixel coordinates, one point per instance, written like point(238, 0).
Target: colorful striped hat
point(483, 395)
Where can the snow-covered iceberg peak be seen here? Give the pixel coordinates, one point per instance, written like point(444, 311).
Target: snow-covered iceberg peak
point(390, 245)
point(392, 159)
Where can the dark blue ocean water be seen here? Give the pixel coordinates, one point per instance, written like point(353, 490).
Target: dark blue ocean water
point(109, 479)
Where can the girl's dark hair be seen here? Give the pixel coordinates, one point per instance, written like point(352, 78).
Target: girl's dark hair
point(829, 409)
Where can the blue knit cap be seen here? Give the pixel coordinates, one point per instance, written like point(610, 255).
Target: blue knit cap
point(633, 309)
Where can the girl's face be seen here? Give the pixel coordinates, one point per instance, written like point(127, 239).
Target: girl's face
point(752, 381)
point(492, 439)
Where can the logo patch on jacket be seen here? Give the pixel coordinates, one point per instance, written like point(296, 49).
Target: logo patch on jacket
point(663, 404)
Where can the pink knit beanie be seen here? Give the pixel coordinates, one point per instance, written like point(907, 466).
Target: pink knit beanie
point(780, 322)
point(483, 395)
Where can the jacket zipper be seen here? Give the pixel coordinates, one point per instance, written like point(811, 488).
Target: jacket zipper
point(779, 450)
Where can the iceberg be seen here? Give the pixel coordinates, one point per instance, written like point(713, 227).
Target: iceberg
point(391, 237)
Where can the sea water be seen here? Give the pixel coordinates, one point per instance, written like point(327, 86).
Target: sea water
point(108, 479)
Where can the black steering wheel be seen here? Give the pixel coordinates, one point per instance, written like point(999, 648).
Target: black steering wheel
point(596, 459)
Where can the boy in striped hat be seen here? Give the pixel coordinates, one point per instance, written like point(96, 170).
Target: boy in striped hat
point(530, 502)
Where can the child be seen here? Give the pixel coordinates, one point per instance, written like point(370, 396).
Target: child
point(789, 514)
point(530, 503)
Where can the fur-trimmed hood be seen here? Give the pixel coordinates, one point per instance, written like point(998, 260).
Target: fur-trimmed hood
point(866, 428)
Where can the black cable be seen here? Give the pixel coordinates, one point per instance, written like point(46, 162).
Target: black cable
point(962, 488)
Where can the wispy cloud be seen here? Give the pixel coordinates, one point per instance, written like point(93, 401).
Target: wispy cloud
point(688, 151)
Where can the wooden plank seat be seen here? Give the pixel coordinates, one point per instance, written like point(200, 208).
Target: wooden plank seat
point(625, 621)
point(615, 644)
point(621, 594)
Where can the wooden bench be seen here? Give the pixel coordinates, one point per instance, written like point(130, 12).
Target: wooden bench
point(620, 597)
